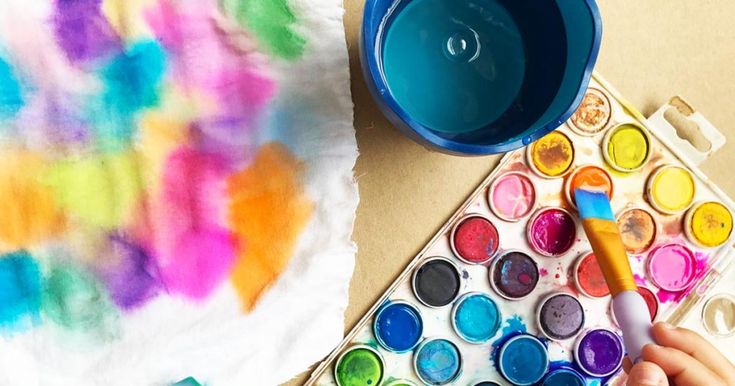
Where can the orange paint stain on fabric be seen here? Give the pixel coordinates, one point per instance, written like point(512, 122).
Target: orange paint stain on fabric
point(268, 211)
point(29, 211)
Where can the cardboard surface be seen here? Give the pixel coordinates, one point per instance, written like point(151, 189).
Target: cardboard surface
point(651, 50)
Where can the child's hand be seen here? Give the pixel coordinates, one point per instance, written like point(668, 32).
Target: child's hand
point(683, 357)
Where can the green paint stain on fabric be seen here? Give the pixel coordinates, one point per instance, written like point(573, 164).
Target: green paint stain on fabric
point(76, 301)
point(11, 97)
point(131, 83)
point(101, 190)
point(271, 22)
point(20, 291)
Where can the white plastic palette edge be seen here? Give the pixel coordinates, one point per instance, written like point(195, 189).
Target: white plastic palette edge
point(682, 310)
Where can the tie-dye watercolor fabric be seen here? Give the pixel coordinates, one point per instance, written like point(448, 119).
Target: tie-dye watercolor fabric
point(176, 191)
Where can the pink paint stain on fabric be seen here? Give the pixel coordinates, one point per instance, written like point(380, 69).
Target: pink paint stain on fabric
point(194, 252)
point(543, 272)
point(206, 62)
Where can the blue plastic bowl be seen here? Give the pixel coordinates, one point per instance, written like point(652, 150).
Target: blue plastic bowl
point(561, 40)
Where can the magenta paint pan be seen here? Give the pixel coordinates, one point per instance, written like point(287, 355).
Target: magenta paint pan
point(474, 239)
point(672, 267)
point(560, 316)
point(599, 352)
point(436, 282)
point(512, 196)
point(552, 231)
point(514, 275)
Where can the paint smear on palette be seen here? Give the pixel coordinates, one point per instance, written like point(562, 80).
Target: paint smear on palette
point(76, 301)
point(82, 32)
point(223, 75)
point(29, 209)
point(272, 23)
point(20, 291)
point(11, 96)
point(100, 189)
point(268, 211)
point(194, 252)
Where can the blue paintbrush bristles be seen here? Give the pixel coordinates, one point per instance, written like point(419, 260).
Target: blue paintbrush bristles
point(593, 205)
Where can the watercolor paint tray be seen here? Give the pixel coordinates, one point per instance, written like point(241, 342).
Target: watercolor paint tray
point(591, 133)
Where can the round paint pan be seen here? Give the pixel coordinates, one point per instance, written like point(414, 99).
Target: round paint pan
point(671, 189)
point(523, 360)
point(564, 377)
point(551, 156)
point(436, 282)
point(627, 147)
point(588, 276)
point(649, 297)
point(593, 114)
point(514, 275)
point(401, 382)
point(708, 224)
point(560, 316)
point(474, 239)
point(588, 176)
point(359, 365)
point(476, 317)
point(599, 352)
point(551, 231)
point(718, 315)
point(437, 361)
point(398, 326)
point(638, 230)
point(512, 196)
point(672, 267)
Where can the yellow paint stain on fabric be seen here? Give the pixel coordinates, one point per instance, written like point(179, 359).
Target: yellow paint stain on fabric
point(673, 189)
point(160, 135)
point(101, 190)
point(628, 147)
point(711, 224)
point(553, 154)
point(124, 16)
point(268, 211)
point(29, 213)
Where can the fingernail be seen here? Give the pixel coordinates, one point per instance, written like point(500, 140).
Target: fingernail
point(667, 326)
point(649, 377)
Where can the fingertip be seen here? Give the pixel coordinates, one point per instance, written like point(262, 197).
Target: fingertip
point(646, 374)
point(627, 364)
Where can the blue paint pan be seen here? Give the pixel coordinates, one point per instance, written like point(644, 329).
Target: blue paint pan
point(475, 77)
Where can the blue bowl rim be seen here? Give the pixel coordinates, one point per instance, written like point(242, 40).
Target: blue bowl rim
point(389, 106)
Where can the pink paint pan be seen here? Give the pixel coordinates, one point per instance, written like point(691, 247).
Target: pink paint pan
point(512, 196)
point(672, 267)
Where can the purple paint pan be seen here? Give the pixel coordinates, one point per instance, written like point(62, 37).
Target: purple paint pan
point(599, 352)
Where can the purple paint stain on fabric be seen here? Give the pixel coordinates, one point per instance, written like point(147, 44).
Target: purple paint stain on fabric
point(132, 279)
point(82, 31)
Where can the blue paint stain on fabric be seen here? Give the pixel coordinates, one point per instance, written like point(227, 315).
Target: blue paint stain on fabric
point(20, 291)
point(438, 362)
point(477, 318)
point(131, 83)
point(11, 95)
point(523, 360)
point(398, 327)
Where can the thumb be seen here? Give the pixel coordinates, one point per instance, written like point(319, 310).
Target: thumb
point(646, 374)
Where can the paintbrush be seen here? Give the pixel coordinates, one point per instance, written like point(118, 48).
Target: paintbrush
point(602, 231)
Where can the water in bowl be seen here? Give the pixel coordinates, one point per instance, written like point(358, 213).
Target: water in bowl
point(454, 66)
